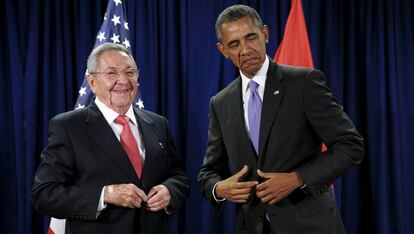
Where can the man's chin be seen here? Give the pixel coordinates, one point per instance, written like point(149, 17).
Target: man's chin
point(250, 68)
point(251, 71)
point(121, 101)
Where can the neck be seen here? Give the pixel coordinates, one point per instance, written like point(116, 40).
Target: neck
point(249, 75)
point(121, 111)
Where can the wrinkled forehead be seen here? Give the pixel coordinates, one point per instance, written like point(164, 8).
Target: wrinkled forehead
point(115, 59)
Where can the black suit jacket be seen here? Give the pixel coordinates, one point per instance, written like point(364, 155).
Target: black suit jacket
point(298, 114)
point(83, 155)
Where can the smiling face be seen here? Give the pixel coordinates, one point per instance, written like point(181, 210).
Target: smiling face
point(245, 44)
point(119, 92)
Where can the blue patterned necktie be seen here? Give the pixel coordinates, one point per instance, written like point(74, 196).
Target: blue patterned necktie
point(254, 112)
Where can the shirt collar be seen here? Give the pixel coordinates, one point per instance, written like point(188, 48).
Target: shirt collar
point(110, 115)
point(259, 78)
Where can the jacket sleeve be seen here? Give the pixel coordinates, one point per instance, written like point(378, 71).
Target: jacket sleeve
point(55, 192)
point(332, 125)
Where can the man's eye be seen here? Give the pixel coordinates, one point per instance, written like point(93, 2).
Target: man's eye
point(130, 73)
point(233, 45)
point(112, 73)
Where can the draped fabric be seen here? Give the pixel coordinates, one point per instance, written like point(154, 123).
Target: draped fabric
point(365, 48)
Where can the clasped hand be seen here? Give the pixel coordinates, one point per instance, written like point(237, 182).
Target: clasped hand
point(275, 187)
point(129, 195)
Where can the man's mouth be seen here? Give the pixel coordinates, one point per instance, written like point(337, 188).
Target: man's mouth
point(120, 91)
point(249, 62)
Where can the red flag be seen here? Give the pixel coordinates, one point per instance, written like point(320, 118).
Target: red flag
point(295, 49)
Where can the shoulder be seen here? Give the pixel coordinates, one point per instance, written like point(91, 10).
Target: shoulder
point(70, 121)
point(149, 116)
point(70, 116)
point(292, 71)
point(234, 88)
point(296, 73)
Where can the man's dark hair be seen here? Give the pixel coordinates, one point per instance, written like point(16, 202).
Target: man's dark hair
point(234, 13)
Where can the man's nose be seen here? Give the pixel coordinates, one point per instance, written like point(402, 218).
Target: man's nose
point(244, 48)
point(122, 78)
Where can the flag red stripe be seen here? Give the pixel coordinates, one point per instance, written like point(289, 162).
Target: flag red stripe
point(295, 49)
point(50, 231)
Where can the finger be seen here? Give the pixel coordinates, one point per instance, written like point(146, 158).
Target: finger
point(246, 184)
point(264, 174)
point(261, 194)
point(262, 186)
point(154, 208)
point(158, 205)
point(272, 202)
point(241, 191)
point(152, 192)
point(155, 198)
point(137, 203)
point(141, 194)
point(240, 200)
point(241, 197)
point(266, 199)
point(241, 173)
point(153, 205)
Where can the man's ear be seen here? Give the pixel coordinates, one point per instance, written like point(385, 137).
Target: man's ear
point(91, 82)
point(265, 31)
point(222, 50)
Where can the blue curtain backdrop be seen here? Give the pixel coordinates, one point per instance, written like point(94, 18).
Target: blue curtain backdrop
point(366, 49)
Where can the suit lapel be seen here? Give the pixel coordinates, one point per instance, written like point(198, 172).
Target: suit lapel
point(150, 140)
point(236, 117)
point(103, 136)
point(272, 97)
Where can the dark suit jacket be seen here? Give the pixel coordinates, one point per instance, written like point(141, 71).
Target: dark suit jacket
point(298, 114)
point(83, 155)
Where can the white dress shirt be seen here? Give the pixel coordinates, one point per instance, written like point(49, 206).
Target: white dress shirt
point(259, 78)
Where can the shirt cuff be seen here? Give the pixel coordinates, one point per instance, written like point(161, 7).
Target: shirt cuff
point(214, 194)
point(101, 204)
point(169, 209)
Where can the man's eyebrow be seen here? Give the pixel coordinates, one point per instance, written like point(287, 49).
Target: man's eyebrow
point(110, 67)
point(116, 68)
point(251, 34)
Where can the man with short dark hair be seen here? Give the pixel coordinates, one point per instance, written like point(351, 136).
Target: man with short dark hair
point(110, 167)
point(268, 126)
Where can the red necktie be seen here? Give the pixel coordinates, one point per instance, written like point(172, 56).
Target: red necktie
point(129, 144)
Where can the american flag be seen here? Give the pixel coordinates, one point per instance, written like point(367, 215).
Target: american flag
point(114, 29)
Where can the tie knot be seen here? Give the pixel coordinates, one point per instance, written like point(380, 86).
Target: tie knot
point(122, 119)
point(253, 86)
